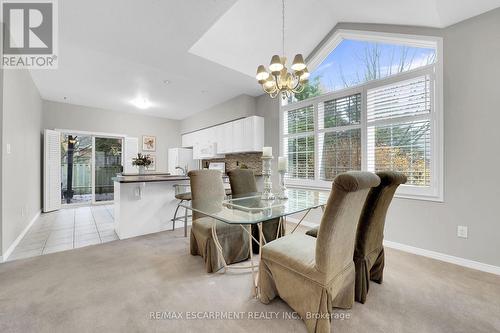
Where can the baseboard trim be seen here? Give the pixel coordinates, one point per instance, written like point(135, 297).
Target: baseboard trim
point(18, 239)
point(444, 257)
point(425, 253)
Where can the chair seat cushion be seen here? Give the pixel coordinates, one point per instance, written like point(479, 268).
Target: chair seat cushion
point(203, 226)
point(296, 252)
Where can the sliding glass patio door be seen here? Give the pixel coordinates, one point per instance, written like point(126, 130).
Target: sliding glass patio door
point(88, 164)
point(76, 168)
point(108, 162)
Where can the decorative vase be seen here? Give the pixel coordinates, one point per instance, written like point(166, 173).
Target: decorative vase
point(142, 170)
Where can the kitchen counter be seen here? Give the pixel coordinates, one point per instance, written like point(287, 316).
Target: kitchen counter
point(149, 178)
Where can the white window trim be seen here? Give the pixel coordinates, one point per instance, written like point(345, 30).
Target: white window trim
point(436, 191)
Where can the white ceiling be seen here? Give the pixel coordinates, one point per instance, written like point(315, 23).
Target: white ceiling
point(114, 51)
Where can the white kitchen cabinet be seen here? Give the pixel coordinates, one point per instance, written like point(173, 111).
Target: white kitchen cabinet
point(239, 136)
point(224, 138)
point(188, 140)
point(248, 134)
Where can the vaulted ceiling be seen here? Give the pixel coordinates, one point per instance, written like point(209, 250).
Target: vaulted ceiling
point(185, 56)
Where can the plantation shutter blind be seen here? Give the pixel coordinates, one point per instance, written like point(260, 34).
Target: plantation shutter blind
point(299, 142)
point(339, 137)
point(399, 129)
point(405, 98)
point(51, 171)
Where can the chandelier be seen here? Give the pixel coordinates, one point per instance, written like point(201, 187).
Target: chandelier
point(278, 79)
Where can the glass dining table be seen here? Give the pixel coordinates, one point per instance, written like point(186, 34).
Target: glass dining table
point(253, 210)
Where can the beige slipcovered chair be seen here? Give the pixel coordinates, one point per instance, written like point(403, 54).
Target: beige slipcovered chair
point(207, 192)
point(314, 275)
point(369, 251)
point(243, 184)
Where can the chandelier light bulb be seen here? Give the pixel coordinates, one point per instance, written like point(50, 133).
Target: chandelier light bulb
point(298, 63)
point(276, 64)
point(305, 75)
point(262, 74)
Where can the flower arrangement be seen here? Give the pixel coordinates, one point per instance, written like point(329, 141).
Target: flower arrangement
point(142, 161)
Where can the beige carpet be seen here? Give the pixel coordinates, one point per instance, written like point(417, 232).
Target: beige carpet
point(115, 286)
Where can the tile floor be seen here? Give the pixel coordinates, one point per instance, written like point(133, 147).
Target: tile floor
point(67, 229)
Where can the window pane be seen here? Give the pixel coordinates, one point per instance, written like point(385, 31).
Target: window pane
point(339, 152)
point(402, 147)
point(299, 121)
point(340, 112)
point(300, 153)
point(354, 62)
point(405, 98)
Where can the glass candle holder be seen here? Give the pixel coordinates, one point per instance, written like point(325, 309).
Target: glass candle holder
point(267, 173)
point(282, 193)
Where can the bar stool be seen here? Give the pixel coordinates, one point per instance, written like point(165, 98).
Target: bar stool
point(182, 193)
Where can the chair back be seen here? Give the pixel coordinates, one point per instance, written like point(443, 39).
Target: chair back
point(207, 191)
point(337, 231)
point(370, 233)
point(242, 182)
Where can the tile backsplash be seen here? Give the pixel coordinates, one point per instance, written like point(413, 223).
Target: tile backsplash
point(251, 160)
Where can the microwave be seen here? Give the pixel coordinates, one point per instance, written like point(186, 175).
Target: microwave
point(221, 166)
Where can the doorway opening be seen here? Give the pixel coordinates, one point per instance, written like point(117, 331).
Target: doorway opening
point(88, 164)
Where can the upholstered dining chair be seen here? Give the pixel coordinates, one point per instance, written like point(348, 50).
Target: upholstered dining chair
point(314, 275)
point(207, 194)
point(369, 250)
point(243, 184)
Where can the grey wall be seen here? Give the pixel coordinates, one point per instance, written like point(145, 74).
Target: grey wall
point(268, 108)
point(75, 117)
point(235, 108)
point(471, 138)
point(22, 179)
point(1, 152)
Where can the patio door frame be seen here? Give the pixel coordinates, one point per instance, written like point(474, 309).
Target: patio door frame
point(93, 135)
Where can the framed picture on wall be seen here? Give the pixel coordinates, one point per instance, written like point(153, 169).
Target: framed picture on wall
point(148, 143)
point(152, 166)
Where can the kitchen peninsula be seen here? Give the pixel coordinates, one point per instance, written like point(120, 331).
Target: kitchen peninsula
point(144, 204)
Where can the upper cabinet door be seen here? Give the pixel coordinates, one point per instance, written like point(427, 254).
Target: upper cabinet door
point(253, 131)
point(224, 138)
point(238, 136)
point(188, 140)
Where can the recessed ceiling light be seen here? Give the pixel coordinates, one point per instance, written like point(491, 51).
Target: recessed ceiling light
point(141, 103)
point(166, 81)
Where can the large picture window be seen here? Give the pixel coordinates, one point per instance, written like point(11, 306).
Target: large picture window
point(385, 121)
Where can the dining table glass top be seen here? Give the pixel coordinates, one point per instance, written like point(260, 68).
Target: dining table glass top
point(253, 209)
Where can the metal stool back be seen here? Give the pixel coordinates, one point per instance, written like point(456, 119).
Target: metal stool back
point(182, 193)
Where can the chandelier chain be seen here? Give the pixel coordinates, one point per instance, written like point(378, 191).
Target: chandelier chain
point(283, 26)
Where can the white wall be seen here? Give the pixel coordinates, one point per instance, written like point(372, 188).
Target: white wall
point(21, 174)
point(76, 117)
point(238, 107)
point(471, 153)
